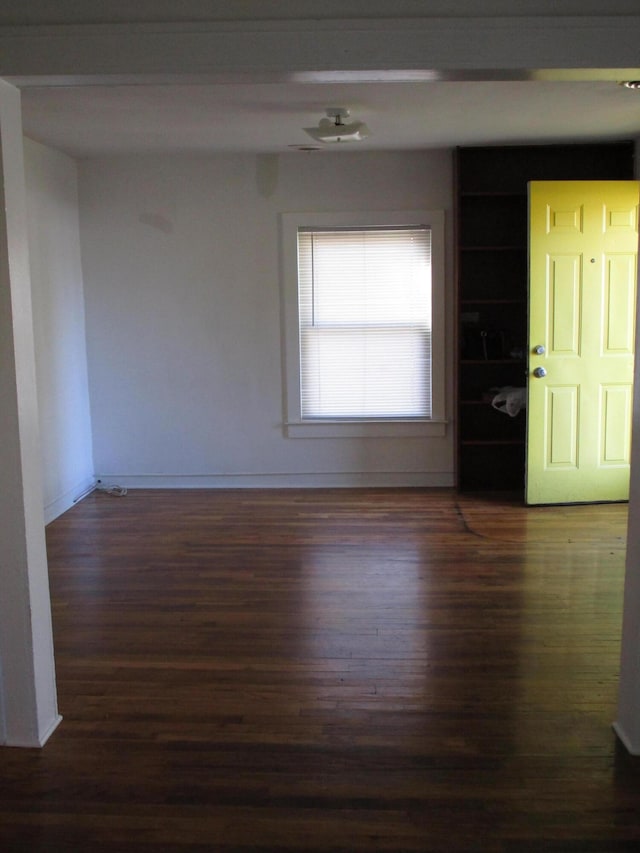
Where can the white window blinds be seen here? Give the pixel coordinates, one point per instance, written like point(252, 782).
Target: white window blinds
point(365, 322)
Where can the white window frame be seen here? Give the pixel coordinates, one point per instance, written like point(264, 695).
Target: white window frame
point(297, 427)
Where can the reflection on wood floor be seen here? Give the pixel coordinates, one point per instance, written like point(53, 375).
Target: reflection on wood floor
point(330, 670)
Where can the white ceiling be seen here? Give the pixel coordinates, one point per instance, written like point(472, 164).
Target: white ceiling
point(269, 117)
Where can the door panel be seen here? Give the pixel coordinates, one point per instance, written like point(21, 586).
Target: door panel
point(618, 320)
point(615, 433)
point(582, 294)
point(565, 304)
point(561, 416)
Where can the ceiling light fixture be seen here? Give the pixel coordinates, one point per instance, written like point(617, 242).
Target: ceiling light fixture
point(333, 128)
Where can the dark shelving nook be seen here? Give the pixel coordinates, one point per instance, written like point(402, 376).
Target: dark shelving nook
point(492, 292)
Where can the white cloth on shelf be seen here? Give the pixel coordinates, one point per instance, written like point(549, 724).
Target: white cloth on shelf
point(510, 400)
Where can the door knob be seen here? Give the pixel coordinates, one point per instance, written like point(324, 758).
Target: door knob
point(539, 350)
point(539, 372)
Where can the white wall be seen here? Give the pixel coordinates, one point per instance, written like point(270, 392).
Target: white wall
point(59, 326)
point(182, 261)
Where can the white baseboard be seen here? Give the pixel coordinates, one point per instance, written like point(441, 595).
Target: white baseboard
point(39, 739)
point(625, 740)
point(397, 479)
point(44, 737)
point(65, 501)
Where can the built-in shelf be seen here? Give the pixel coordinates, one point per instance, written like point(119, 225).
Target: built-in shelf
point(483, 443)
point(492, 274)
point(489, 194)
point(491, 361)
point(471, 301)
point(500, 248)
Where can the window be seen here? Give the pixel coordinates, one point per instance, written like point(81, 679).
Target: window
point(364, 302)
point(363, 305)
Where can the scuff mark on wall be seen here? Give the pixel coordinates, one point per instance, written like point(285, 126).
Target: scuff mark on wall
point(267, 168)
point(157, 221)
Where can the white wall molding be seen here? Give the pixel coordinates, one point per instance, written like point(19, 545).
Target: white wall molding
point(338, 479)
point(627, 724)
point(29, 703)
point(70, 11)
point(235, 49)
point(632, 747)
point(56, 507)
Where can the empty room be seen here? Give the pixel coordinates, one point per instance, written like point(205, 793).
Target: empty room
point(318, 481)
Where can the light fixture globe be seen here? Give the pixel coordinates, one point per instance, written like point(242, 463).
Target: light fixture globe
point(334, 129)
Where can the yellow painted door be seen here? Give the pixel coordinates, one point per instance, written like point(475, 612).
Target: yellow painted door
point(583, 245)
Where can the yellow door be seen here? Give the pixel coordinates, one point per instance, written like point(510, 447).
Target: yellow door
point(582, 292)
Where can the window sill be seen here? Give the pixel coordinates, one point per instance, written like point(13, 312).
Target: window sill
point(365, 429)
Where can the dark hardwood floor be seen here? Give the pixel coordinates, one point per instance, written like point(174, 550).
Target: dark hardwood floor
point(349, 670)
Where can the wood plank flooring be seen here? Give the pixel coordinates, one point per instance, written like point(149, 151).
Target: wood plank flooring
point(331, 670)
